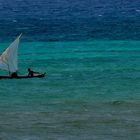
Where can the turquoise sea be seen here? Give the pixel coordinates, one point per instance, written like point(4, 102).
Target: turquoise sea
point(91, 91)
point(90, 51)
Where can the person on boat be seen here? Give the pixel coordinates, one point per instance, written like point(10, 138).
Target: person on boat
point(14, 75)
point(31, 73)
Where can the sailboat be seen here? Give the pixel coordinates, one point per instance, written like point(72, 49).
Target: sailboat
point(9, 61)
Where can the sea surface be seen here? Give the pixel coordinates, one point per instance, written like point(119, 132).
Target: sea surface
point(90, 50)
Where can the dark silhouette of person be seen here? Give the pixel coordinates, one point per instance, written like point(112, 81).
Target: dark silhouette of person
point(14, 75)
point(31, 73)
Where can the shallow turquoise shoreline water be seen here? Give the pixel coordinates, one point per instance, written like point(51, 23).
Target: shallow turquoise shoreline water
point(91, 92)
point(110, 69)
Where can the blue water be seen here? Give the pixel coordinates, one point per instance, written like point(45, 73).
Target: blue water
point(91, 53)
point(63, 20)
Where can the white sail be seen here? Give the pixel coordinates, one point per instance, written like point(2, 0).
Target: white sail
point(9, 58)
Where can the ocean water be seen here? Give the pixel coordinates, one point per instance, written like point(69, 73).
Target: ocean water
point(90, 51)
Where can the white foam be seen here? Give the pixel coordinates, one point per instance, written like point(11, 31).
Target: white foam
point(14, 20)
point(137, 10)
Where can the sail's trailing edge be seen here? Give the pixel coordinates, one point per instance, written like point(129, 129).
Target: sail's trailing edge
point(9, 58)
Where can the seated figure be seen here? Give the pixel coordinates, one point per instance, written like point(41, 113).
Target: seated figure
point(14, 75)
point(31, 73)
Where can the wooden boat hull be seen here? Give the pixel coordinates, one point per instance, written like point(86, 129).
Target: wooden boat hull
point(23, 77)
